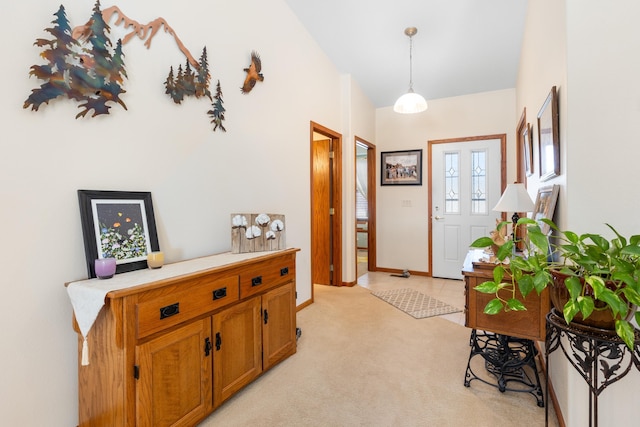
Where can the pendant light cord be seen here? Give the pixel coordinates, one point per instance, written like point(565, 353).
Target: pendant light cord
point(410, 63)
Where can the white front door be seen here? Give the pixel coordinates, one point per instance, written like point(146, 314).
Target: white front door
point(466, 185)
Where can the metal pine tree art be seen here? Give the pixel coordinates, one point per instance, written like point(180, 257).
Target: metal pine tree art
point(217, 113)
point(88, 70)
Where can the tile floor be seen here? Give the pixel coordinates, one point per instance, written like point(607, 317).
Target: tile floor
point(445, 290)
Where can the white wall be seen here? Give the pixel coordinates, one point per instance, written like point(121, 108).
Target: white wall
point(588, 49)
point(403, 232)
point(358, 120)
point(197, 177)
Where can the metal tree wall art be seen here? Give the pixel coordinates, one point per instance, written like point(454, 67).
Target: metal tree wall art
point(217, 113)
point(188, 82)
point(90, 72)
point(83, 64)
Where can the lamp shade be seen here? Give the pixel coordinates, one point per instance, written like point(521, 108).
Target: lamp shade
point(515, 199)
point(410, 103)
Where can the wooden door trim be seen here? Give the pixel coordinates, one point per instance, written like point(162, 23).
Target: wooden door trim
point(337, 200)
point(503, 176)
point(371, 203)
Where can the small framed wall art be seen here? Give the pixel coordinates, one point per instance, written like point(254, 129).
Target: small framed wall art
point(548, 137)
point(120, 225)
point(401, 167)
point(545, 205)
point(527, 149)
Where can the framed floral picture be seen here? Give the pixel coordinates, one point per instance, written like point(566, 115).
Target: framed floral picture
point(120, 225)
point(401, 167)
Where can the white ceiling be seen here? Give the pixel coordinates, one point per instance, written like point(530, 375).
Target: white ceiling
point(462, 46)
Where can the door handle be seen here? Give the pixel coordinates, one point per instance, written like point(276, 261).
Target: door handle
point(438, 217)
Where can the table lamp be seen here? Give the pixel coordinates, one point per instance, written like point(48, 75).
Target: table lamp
point(515, 199)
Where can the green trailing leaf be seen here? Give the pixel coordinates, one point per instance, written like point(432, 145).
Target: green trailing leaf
point(525, 285)
point(539, 240)
point(482, 242)
point(631, 250)
point(574, 286)
point(626, 331)
point(571, 236)
point(505, 251)
point(487, 288)
point(494, 306)
point(515, 305)
point(632, 295)
point(498, 274)
point(569, 311)
point(540, 280)
point(586, 305)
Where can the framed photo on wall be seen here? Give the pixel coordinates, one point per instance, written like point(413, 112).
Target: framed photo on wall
point(527, 149)
point(548, 137)
point(401, 167)
point(545, 205)
point(120, 225)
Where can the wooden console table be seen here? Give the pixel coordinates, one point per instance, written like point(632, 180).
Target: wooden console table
point(506, 343)
point(171, 345)
point(529, 324)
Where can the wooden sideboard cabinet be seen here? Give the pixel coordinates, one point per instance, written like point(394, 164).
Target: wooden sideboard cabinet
point(167, 351)
point(529, 324)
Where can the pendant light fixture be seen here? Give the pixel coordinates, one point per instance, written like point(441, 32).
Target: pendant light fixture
point(410, 102)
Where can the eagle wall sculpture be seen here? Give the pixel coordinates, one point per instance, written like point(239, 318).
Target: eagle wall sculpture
point(253, 73)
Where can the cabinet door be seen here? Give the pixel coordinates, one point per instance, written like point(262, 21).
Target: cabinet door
point(174, 383)
point(279, 324)
point(237, 357)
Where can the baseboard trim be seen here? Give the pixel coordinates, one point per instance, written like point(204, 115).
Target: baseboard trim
point(552, 393)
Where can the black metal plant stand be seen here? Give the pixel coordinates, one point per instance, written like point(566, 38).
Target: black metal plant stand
point(510, 361)
point(599, 356)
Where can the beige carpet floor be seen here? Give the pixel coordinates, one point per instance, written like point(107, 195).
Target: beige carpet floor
point(362, 362)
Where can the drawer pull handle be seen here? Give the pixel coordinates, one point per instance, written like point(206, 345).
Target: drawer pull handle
point(256, 281)
point(284, 271)
point(170, 310)
point(220, 293)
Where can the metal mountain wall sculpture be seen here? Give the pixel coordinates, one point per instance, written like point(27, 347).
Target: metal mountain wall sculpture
point(83, 64)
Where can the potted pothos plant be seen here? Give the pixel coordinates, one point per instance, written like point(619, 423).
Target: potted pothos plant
point(595, 275)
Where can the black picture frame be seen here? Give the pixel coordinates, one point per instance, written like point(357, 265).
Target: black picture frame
point(401, 167)
point(118, 224)
point(549, 137)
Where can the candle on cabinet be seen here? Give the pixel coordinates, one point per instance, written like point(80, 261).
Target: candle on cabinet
point(105, 268)
point(155, 259)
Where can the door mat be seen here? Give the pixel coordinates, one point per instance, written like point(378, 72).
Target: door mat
point(414, 303)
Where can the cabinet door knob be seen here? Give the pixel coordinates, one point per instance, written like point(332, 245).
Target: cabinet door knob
point(207, 346)
point(218, 341)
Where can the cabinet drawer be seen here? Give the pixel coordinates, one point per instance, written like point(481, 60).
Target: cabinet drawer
point(265, 276)
point(175, 304)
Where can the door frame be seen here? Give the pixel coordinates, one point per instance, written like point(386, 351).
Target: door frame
point(336, 202)
point(371, 202)
point(503, 176)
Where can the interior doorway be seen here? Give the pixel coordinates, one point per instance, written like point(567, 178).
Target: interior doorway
point(365, 163)
point(326, 206)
